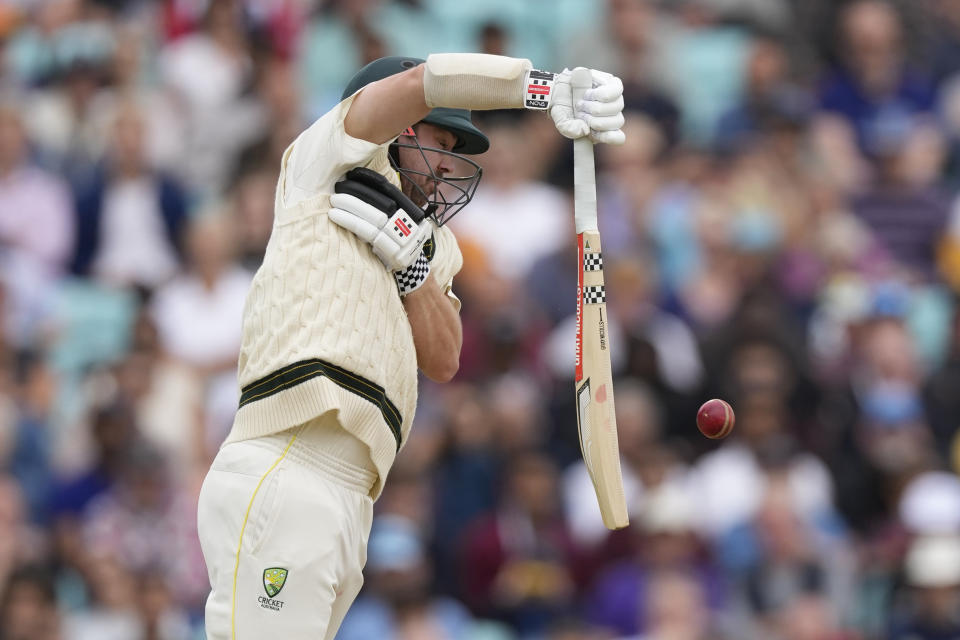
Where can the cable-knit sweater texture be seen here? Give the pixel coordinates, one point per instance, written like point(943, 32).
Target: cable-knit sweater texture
point(321, 294)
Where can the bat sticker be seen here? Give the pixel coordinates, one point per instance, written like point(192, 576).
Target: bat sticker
point(602, 329)
point(592, 261)
point(583, 423)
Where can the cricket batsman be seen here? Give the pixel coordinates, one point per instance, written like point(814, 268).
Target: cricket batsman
point(353, 297)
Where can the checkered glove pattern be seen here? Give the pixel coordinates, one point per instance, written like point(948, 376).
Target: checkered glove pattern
point(413, 277)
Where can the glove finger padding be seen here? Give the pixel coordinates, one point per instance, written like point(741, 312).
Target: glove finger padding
point(606, 87)
point(372, 197)
point(361, 209)
point(351, 222)
point(594, 108)
point(379, 185)
point(602, 123)
point(608, 137)
point(561, 110)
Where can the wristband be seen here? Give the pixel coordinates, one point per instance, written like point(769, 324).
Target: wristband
point(413, 277)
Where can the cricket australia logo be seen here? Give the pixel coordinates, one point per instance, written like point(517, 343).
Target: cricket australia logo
point(273, 580)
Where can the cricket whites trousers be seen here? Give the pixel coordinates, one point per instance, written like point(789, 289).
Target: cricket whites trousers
point(284, 522)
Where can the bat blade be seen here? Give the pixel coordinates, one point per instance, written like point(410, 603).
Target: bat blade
point(596, 421)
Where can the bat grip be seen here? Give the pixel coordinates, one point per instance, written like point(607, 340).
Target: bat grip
point(584, 172)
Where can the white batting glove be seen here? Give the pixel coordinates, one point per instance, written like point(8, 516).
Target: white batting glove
point(598, 114)
point(395, 238)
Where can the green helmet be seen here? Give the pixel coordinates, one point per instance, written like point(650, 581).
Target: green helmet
point(470, 140)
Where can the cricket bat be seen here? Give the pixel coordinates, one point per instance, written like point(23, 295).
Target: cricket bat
point(596, 422)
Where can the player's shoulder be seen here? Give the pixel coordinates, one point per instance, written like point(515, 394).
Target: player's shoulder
point(444, 241)
point(445, 234)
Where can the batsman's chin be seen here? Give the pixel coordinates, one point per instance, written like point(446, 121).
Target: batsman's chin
point(421, 196)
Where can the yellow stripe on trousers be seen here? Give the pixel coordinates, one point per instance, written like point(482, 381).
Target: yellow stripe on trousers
point(243, 527)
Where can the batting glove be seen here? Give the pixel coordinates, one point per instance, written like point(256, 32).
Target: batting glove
point(598, 114)
point(368, 205)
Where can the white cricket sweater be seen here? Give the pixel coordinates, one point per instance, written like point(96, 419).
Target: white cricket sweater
point(323, 326)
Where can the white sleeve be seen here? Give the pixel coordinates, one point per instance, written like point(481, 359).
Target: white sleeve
point(322, 154)
point(448, 290)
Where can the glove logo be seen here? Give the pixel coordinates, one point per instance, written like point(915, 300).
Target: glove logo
point(538, 89)
point(402, 226)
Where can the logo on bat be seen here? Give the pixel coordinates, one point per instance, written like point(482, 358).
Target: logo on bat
point(602, 328)
point(579, 359)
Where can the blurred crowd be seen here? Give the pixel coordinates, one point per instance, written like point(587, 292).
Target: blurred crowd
point(781, 229)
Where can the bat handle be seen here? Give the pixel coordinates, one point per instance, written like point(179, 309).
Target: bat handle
point(584, 172)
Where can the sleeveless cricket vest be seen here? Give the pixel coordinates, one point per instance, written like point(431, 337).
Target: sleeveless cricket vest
point(324, 327)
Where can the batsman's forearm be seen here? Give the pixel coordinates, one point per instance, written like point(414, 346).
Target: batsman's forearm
point(386, 107)
point(457, 80)
point(437, 332)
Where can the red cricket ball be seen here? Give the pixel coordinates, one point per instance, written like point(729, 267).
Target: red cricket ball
point(715, 418)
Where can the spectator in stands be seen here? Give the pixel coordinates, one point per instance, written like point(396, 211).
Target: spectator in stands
point(629, 598)
point(511, 196)
point(28, 610)
point(703, 65)
point(69, 121)
point(131, 218)
point(874, 89)
point(520, 564)
point(29, 459)
point(932, 607)
point(162, 617)
point(197, 315)
point(466, 473)
point(887, 439)
point(941, 48)
point(398, 603)
point(148, 520)
point(278, 93)
point(20, 541)
point(811, 616)
point(942, 404)
point(251, 204)
point(209, 72)
point(112, 433)
point(904, 206)
point(629, 176)
point(110, 614)
point(629, 40)
point(678, 608)
point(783, 554)
point(36, 214)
